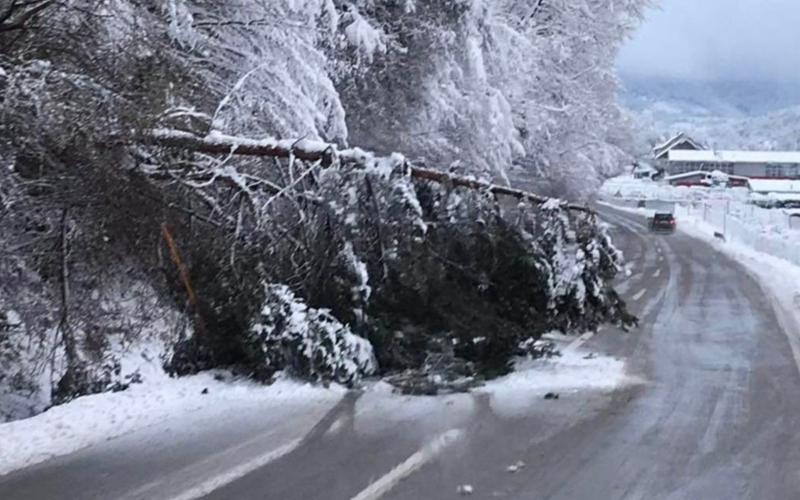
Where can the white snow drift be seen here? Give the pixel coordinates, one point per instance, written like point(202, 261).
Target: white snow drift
point(198, 400)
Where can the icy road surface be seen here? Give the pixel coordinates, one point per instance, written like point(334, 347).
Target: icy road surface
point(710, 409)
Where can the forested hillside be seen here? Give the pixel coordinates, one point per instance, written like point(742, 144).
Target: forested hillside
point(727, 114)
point(299, 185)
point(777, 131)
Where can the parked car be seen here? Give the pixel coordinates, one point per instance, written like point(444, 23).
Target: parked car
point(662, 223)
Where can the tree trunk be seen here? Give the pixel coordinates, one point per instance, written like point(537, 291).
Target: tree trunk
point(327, 154)
point(74, 382)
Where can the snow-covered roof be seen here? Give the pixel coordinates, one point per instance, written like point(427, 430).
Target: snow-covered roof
point(775, 186)
point(687, 175)
point(704, 174)
point(643, 167)
point(735, 156)
point(784, 196)
point(659, 150)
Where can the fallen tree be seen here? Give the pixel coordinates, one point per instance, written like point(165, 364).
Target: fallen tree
point(327, 154)
point(442, 279)
point(422, 262)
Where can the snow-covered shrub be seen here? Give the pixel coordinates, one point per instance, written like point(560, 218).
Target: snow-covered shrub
point(535, 349)
point(582, 262)
point(306, 342)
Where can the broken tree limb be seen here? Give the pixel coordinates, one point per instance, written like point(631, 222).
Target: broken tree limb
point(327, 154)
point(467, 182)
point(176, 259)
point(216, 143)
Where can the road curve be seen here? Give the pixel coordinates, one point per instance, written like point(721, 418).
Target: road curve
point(714, 413)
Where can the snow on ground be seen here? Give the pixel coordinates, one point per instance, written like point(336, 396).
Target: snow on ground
point(771, 231)
point(195, 406)
point(626, 187)
point(779, 278)
point(516, 394)
point(94, 419)
point(572, 372)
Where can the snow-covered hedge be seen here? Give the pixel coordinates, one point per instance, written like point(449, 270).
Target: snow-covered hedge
point(308, 343)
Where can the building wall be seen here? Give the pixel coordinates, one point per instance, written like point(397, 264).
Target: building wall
point(750, 170)
point(742, 169)
point(662, 161)
point(684, 146)
point(768, 171)
point(679, 167)
point(694, 180)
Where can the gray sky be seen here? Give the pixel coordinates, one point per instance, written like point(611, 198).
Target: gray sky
point(718, 39)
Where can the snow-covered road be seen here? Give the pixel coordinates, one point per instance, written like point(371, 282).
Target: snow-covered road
point(708, 406)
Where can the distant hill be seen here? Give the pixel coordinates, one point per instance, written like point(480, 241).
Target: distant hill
point(724, 115)
point(683, 99)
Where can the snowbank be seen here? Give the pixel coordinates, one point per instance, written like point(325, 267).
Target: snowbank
point(771, 231)
point(519, 393)
point(779, 278)
point(572, 372)
point(626, 187)
point(201, 399)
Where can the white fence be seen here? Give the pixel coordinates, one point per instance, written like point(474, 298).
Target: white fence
point(774, 232)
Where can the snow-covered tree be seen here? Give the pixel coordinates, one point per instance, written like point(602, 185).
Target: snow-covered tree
point(102, 105)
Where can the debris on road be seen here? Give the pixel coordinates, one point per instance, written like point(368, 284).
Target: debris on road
point(551, 395)
point(516, 467)
point(464, 490)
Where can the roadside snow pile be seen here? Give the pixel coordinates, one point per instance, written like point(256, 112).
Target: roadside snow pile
point(573, 371)
point(517, 394)
point(779, 279)
point(93, 419)
point(137, 333)
point(771, 231)
point(626, 187)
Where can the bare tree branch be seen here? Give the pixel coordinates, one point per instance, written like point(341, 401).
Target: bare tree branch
point(17, 15)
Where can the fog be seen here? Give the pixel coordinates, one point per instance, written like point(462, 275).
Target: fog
point(713, 40)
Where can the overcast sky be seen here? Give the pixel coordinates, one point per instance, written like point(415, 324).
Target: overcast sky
point(718, 39)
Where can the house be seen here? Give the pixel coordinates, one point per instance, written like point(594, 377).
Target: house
point(643, 171)
point(680, 142)
point(683, 155)
point(750, 164)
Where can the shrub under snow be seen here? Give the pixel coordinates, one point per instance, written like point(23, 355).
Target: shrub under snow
point(307, 342)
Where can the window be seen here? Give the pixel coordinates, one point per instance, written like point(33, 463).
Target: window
point(774, 171)
point(681, 168)
point(726, 168)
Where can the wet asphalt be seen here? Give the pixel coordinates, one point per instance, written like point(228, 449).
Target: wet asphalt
point(711, 410)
